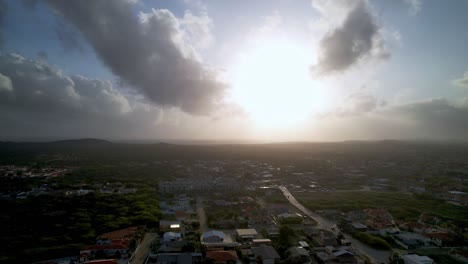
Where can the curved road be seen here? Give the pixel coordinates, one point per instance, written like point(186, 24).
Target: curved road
point(376, 256)
point(321, 222)
point(143, 249)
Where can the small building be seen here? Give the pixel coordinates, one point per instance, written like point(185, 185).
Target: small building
point(416, 259)
point(304, 244)
point(299, 254)
point(344, 256)
point(358, 227)
point(261, 241)
point(213, 236)
point(267, 253)
point(171, 236)
point(173, 226)
point(246, 234)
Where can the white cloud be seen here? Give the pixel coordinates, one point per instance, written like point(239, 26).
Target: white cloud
point(461, 82)
point(414, 6)
point(5, 83)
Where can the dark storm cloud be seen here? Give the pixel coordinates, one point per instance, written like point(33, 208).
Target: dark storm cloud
point(357, 38)
point(149, 54)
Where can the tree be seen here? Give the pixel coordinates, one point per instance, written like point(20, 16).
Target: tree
point(285, 232)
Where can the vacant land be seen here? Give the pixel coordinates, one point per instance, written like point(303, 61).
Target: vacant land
point(401, 205)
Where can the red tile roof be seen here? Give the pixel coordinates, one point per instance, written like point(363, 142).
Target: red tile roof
point(221, 255)
point(103, 261)
point(126, 233)
point(441, 236)
point(112, 246)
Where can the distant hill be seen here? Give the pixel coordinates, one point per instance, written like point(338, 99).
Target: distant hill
point(98, 150)
point(82, 141)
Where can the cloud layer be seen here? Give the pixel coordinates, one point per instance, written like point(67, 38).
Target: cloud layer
point(150, 53)
point(37, 98)
point(434, 119)
point(357, 38)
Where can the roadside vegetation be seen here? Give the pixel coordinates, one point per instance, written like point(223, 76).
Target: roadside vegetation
point(402, 206)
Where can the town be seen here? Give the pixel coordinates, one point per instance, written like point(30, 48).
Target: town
point(317, 209)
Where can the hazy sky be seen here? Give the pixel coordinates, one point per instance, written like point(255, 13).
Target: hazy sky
point(270, 70)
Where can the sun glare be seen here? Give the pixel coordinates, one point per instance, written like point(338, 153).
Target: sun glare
point(272, 82)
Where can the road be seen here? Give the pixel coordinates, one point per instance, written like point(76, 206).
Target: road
point(143, 249)
point(322, 223)
point(201, 215)
point(376, 256)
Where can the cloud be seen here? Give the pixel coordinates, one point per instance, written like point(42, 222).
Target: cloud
point(151, 52)
point(5, 83)
point(357, 38)
point(433, 119)
point(358, 103)
point(38, 98)
point(414, 6)
point(461, 82)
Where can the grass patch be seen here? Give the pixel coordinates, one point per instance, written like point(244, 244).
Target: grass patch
point(401, 205)
point(371, 240)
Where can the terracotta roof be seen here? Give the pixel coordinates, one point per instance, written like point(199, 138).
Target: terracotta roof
point(181, 214)
point(126, 233)
point(441, 236)
point(222, 255)
point(112, 246)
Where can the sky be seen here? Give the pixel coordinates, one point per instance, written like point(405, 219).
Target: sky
point(273, 70)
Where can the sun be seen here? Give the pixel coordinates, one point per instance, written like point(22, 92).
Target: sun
point(272, 82)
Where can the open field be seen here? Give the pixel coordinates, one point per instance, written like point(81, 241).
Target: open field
point(401, 205)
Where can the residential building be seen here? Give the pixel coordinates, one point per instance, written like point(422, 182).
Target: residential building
point(267, 253)
point(416, 259)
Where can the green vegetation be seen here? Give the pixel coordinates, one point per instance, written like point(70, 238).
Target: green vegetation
point(371, 240)
point(292, 221)
point(54, 225)
point(439, 255)
point(400, 205)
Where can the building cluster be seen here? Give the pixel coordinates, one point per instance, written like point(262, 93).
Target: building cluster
point(218, 184)
point(114, 246)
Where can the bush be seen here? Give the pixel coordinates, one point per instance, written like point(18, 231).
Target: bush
point(371, 240)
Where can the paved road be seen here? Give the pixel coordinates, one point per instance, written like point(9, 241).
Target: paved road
point(377, 256)
point(322, 223)
point(143, 249)
point(201, 215)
